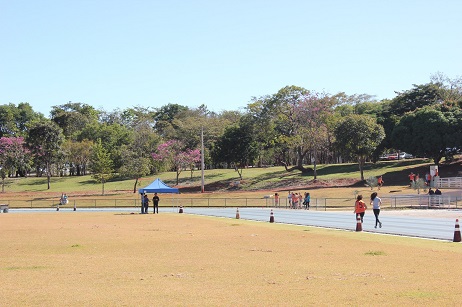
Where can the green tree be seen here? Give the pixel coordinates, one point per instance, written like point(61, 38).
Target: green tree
point(428, 132)
point(136, 157)
point(78, 156)
point(417, 97)
point(73, 117)
point(166, 119)
point(450, 90)
point(44, 140)
point(101, 164)
point(14, 119)
point(358, 136)
point(134, 166)
point(294, 122)
point(236, 147)
point(113, 137)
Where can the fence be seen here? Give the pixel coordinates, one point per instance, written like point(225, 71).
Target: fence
point(449, 182)
point(321, 204)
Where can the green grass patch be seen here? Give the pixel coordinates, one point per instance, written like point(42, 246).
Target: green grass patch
point(375, 253)
point(420, 294)
point(17, 268)
point(394, 172)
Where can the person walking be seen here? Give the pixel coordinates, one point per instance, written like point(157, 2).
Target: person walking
point(145, 204)
point(295, 200)
point(360, 207)
point(376, 202)
point(411, 179)
point(289, 198)
point(379, 182)
point(155, 203)
point(276, 199)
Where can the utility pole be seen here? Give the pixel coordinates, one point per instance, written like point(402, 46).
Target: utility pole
point(202, 160)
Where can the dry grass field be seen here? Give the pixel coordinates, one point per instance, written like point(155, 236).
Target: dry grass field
point(109, 259)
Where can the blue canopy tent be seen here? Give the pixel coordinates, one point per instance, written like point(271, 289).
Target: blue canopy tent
point(157, 186)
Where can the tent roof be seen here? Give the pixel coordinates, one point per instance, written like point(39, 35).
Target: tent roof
point(157, 186)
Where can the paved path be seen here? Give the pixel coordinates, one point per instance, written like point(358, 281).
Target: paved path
point(423, 227)
point(441, 228)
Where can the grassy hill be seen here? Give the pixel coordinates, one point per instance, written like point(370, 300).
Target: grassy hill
point(223, 180)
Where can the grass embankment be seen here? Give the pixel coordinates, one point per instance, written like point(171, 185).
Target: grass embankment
point(331, 179)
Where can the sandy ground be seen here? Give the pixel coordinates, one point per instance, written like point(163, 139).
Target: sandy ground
point(107, 259)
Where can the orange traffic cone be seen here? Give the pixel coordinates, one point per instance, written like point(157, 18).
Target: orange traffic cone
point(457, 232)
point(181, 209)
point(238, 216)
point(359, 226)
point(271, 216)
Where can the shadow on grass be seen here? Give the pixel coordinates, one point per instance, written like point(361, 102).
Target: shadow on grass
point(41, 181)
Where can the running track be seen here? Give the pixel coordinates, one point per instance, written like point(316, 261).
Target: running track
point(431, 228)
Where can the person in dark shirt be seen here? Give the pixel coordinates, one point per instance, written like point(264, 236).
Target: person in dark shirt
point(155, 202)
point(144, 210)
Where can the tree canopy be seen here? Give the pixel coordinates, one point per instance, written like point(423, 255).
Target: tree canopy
point(295, 127)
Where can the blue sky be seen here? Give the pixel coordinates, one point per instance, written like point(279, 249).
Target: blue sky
point(119, 54)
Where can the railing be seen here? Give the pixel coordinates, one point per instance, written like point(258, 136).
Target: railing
point(321, 204)
point(449, 182)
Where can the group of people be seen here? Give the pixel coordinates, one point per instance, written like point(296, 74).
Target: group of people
point(360, 208)
point(145, 204)
point(413, 178)
point(297, 200)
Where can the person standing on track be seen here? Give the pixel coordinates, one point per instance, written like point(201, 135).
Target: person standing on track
point(276, 199)
point(376, 202)
point(155, 203)
point(360, 207)
point(307, 201)
point(145, 204)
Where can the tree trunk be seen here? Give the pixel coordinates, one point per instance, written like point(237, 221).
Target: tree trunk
point(48, 175)
point(239, 172)
point(136, 183)
point(361, 166)
point(315, 174)
point(300, 156)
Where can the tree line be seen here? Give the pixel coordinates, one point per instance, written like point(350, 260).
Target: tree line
point(295, 127)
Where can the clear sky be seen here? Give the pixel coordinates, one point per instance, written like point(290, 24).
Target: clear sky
point(117, 54)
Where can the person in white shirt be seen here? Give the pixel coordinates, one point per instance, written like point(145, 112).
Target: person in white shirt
point(376, 202)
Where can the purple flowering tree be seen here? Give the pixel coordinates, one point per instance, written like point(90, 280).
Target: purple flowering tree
point(311, 117)
point(173, 155)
